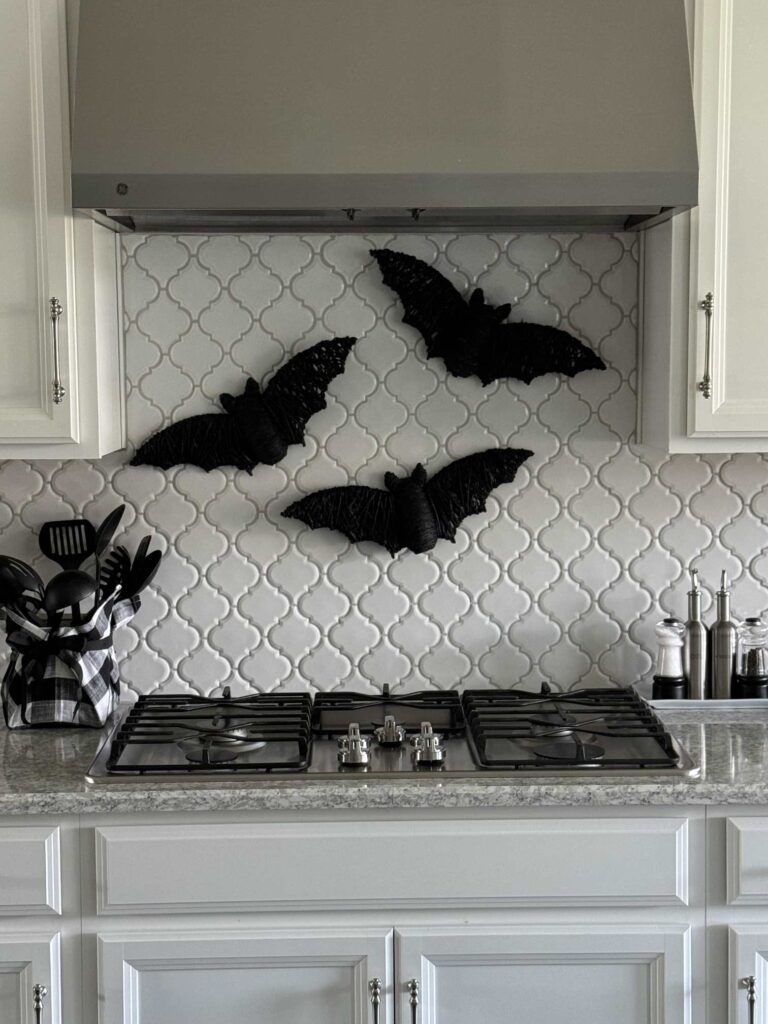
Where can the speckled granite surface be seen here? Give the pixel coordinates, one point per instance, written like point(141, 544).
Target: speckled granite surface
point(42, 772)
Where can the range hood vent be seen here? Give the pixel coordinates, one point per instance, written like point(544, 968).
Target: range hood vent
point(296, 115)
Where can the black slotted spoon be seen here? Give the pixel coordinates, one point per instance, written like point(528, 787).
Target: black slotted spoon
point(68, 542)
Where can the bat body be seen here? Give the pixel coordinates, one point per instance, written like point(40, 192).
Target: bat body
point(256, 426)
point(471, 337)
point(414, 512)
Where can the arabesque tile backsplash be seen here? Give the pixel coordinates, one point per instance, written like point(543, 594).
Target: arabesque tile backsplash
point(564, 576)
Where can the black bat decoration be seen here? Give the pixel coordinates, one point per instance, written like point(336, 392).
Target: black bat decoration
point(470, 337)
point(258, 425)
point(413, 512)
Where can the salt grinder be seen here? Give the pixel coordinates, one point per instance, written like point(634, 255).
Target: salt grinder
point(669, 681)
point(695, 650)
point(723, 636)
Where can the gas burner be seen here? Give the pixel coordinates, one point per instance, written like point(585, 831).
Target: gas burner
point(390, 734)
point(550, 729)
point(217, 745)
point(332, 712)
point(572, 752)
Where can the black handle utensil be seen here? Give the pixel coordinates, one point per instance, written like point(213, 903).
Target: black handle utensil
point(106, 530)
point(142, 573)
point(13, 569)
point(66, 590)
point(68, 542)
point(114, 571)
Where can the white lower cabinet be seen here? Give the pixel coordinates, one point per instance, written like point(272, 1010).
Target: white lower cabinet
point(30, 974)
point(302, 976)
point(578, 975)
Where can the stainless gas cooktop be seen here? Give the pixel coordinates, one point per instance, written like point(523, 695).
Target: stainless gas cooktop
point(446, 733)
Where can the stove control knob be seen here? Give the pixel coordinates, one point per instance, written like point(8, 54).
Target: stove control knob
point(353, 748)
point(390, 734)
point(427, 746)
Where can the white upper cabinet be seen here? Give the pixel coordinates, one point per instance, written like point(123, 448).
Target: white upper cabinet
point(704, 370)
point(60, 361)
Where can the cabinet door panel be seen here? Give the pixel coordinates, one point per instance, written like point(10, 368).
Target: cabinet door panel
point(36, 260)
point(747, 959)
point(732, 219)
point(304, 977)
point(561, 976)
point(27, 960)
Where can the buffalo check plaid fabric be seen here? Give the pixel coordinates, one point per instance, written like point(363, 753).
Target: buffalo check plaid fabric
point(67, 675)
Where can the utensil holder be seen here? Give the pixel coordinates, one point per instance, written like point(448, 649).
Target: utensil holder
point(63, 676)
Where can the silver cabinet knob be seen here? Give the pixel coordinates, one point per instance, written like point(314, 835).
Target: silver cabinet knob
point(56, 309)
point(374, 987)
point(707, 304)
point(749, 984)
point(413, 989)
point(39, 992)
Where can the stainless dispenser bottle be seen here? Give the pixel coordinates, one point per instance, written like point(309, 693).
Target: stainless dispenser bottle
point(695, 651)
point(723, 635)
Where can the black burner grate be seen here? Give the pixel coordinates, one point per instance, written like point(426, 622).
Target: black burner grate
point(601, 728)
point(262, 733)
point(334, 711)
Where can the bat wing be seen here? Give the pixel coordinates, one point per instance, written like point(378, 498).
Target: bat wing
point(525, 351)
point(360, 513)
point(297, 390)
point(462, 487)
point(433, 306)
point(208, 441)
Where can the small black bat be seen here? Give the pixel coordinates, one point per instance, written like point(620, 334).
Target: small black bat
point(470, 337)
point(258, 425)
point(413, 512)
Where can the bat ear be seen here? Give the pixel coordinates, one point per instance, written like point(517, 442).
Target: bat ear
point(390, 481)
point(502, 312)
point(419, 474)
point(477, 298)
point(252, 388)
point(227, 402)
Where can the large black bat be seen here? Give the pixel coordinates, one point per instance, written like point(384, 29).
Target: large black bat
point(413, 512)
point(470, 337)
point(258, 425)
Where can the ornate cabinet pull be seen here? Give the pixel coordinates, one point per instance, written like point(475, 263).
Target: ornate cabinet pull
point(749, 985)
point(705, 384)
point(413, 988)
point(58, 388)
point(374, 987)
point(39, 992)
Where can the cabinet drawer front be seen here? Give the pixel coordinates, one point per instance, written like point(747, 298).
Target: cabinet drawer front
point(574, 862)
point(30, 870)
point(747, 858)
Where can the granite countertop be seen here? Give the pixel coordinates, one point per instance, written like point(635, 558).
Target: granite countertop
point(42, 772)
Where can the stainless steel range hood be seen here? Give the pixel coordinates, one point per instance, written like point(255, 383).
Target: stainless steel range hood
point(301, 114)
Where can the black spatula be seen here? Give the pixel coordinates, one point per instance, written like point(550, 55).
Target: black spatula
point(68, 541)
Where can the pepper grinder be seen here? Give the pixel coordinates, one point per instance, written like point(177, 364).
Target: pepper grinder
point(695, 651)
point(751, 677)
point(669, 681)
point(723, 634)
